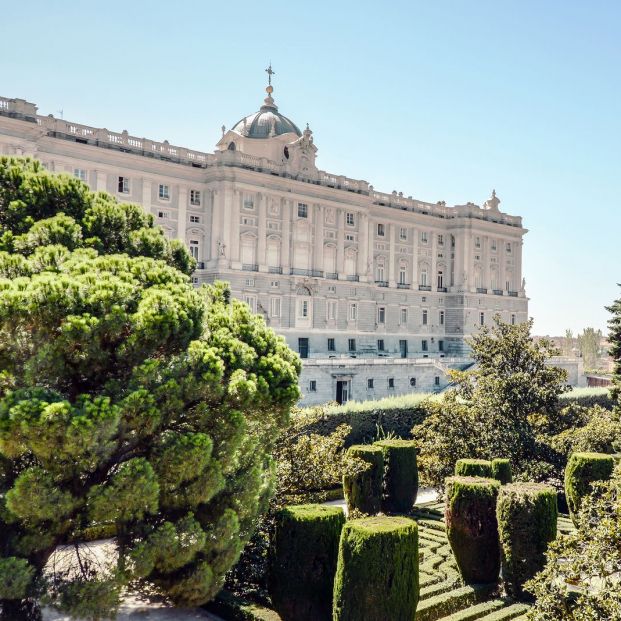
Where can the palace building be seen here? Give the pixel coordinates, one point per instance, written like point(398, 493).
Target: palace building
point(376, 291)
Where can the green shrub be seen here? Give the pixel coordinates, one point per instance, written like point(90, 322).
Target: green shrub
point(400, 475)
point(303, 559)
point(363, 488)
point(588, 397)
point(582, 470)
point(472, 527)
point(501, 470)
point(377, 572)
point(473, 468)
point(527, 515)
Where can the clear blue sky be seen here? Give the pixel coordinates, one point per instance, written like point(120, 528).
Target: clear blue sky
point(440, 100)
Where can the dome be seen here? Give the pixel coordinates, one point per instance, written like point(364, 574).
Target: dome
point(267, 122)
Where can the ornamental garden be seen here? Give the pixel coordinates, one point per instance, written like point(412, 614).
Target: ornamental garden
point(161, 418)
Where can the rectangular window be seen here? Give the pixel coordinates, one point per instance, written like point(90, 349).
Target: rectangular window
point(349, 237)
point(482, 318)
point(477, 242)
point(403, 234)
point(350, 219)
point(248, 202)
point(302, 210)
point(275, 284)
point(195, 197)
point(493, 245)
point(425, 346)
point(352, 344)
point(332, 309)
point(195, 280)
point(194, 248)
point(80, 173)
point(436, 380)
point(123, 186)
point(391, 382)
point(441, 317)
point(425, 317)
point(440, 345)
point(412, 382)
point(380, 344)
point(251, 300)
point(381, 314)
point(303, 348)
point(404, 316)
point(509, 247)
point(353, 312)
point(440, 240)
point(403, 348)
point(423, 237)
point(512, 320)
point(163, 214)
point(381, 231)
point(164, 193)
point(303, 309)
point(249, 282)
point(195, 219)
point(370, 383)
point(331, 345)
point(312, 386)
point(275, 307)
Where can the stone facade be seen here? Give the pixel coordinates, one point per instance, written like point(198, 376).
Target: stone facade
point(376, 291)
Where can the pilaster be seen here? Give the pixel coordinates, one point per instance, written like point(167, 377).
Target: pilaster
point(318, 251)
point(391, 256)
point(363, 247)
point(340, 244)
point(261, 232)
point(182, 213)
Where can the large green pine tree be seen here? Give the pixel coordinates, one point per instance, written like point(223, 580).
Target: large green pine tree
point(129, 401)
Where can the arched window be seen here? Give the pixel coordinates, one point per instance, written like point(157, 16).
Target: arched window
point(403, 272)
point(424, 275)
point(232, 146)
point(441, 277)
point(380, 270)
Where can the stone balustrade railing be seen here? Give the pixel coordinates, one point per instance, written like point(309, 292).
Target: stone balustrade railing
point(24, 110)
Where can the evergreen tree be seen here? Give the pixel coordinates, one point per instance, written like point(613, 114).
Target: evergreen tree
point(129, 401)
point(614, 338)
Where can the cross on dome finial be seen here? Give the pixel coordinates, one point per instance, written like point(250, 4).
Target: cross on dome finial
point(270, 72)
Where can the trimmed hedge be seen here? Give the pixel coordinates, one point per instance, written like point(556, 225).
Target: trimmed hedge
point(501, 471)
point(472, 527)
point(377, 573)
point(400, 485)
point(303, 555)
point(582, 470)
point(527, 516)
point(363, 491)
point(473, 468)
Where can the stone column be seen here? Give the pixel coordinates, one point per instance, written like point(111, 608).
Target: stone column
point(371, 243)
point(434, 261)
point(285, 255)
point(391, 256)
point(518, 266)
point(502, 268)
point(182, 212)
point(340, 244)
point(485, 262)
point(318, 251)
point(236, 203)
point(467, 268)
point(261, 232)
point(414, 277)
point(228, 199)
point(458, 251)
point(216, 223)
point(363, 246)
point(100, 182)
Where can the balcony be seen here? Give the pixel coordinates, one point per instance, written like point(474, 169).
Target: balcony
point(442, 289)
point(513, 294)
point(250, 267)
point(481, 290)
point(332, 275)
point(353, 277)
point(299, 272)
point(274, 270)
point(381, 283)
point(403, 285)
point(424, 287)
point(497, 291)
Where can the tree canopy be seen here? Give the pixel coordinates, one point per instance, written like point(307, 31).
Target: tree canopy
point(128, 400)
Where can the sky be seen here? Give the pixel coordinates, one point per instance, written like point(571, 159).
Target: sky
point(441, 100)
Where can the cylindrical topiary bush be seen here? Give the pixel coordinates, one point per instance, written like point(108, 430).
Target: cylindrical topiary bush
point(473, 468)
point(400, 475)
point(303, 555)
point(527, 514)
point(377, 572)
point(363, 489)
point(472, 527)
point(582, 470)
point(501, 471)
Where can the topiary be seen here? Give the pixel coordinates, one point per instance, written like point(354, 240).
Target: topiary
point(377, 572)
point(527, 515)
point(582, 470)
point(363, 487)
point(501, 470)
point(400, 485)
point(472, 527)
point(303, 555)
point(473, 468)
